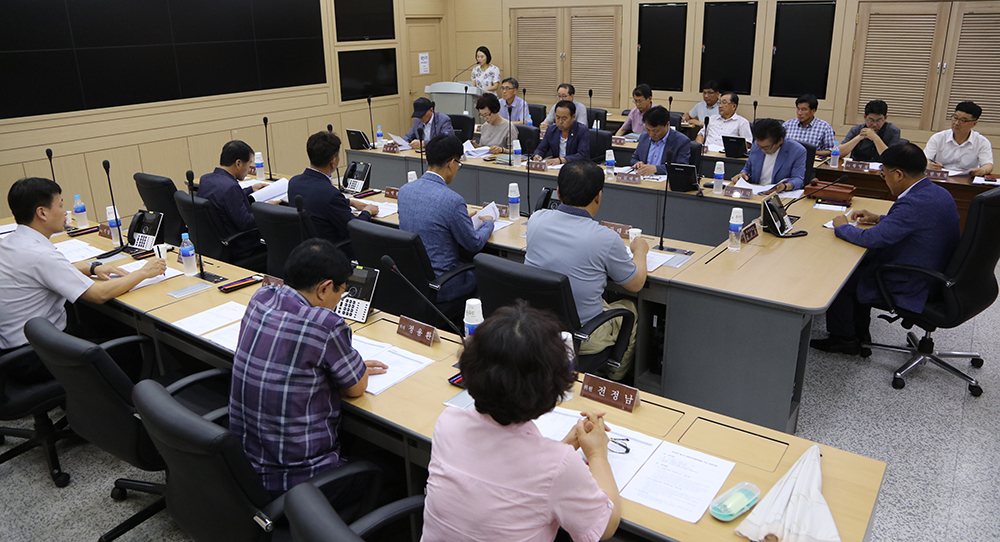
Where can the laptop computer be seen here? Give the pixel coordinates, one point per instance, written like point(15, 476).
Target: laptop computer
point(736, 147)
point(356, 303)
point(358, 140)
point(682, 177)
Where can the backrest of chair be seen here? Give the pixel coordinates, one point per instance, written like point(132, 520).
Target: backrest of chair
point(600, 142)
point(600, 115)
point(537, 112)
point(371, 242)
point(283, 229)
point(675, 120)
point(464, 126)
point(528, 136)
point(98, 393)
point(810, 159)
point(203, 224)
point(972, 268)
point(158, 195)
point(213, 491)
point(501, 282)
point(694, 156)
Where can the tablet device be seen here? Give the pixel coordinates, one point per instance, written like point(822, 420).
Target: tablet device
point(358, 140)
point(682, 177)
point(736, 147)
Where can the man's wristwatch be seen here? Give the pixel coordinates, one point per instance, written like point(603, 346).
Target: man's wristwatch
point(94, 265)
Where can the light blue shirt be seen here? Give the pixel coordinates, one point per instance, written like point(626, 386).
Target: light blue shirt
point(519, 110)
point(656, 151)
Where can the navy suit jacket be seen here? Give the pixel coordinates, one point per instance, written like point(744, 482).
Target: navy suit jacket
point(330, 210)
point(790, 166)
point(677, 143)
point(439, 124)
point(577, 144)
point(233, 207)
point(920, 229)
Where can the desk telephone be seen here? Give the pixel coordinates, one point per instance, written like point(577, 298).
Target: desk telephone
point(144, 232)
point(357, 177)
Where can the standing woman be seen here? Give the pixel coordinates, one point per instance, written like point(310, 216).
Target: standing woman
point(486, 76)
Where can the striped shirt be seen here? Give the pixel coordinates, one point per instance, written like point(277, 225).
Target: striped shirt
point(291, 362)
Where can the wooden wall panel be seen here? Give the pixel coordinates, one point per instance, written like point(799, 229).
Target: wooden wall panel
point(384, 115)
point(72, 176)
point(254, 136)
point(318, 124)
point(205, 151)
point(124, 163)
point(168, 158)
point(9, 174)
point(289, 145)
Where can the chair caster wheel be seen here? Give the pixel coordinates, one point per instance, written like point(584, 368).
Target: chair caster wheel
point(119, 493)
point(865, 352)
point(898, 383)
point(61, 479)
point(975, 390)
point(977, 362)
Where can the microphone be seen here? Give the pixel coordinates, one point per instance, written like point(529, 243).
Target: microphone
point(670, 103)
point(267, 149)
point(388, 262)
point(329, 127)
point(820, 189)
point(463, 71)
point(423, 147)
point(371, 120)
point(706, 132)
point(591, 94)
point(510, 133)
point(755, 110)
point(663, 216)
point(465, 100)
point(48, 152)
point(114, 210)
point(210, 277)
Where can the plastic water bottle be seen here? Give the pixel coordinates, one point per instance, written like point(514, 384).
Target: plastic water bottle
point(513, 201)
point(835, 157)
point(720, 172)
point(528, 121)
point(378, 136)
point(114, 222)
point(517, 153)
point(188, 256)
point(609, 165)
point(735, 225)
point(80, 212)
point(473, 316)
point(258, 164)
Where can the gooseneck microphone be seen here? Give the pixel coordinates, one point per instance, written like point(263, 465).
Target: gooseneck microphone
point(706, 134)
point(329, 127)
point(210, 277)
point(371, 120)
point(387, 261)
point(48, 153)
point(755, 111)
point(114, 209)
point(465, 100)
point(841, 179)
point(267, 149)
point(591, 106)
point(510, 133)
point(463, 71)
point(663, 216)
point(670, 103)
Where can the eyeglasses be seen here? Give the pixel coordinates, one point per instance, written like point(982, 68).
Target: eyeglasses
point(881, 172)
point(873, 121)
point(506, 88)
point(562, 96)
point(725, 102)
point(456, 160)
point(766, 149)
point(956, 118)
point(618, 445)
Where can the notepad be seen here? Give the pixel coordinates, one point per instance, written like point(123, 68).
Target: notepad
point(138, 264)
point(401, 363)
point(77, 251)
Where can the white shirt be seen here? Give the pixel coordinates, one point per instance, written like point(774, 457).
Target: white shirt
point(767, 170)
point(975, 152)
point(735, 125)
point(35, 280)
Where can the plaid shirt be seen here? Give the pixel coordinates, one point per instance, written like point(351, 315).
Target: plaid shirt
point(817, 133)
point(290, 365)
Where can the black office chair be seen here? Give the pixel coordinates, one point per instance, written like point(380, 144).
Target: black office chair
point(600, 115)
point(537, 112)
point(694, 156)
point(206, 233)
point(99, 405)
point(600, 142)
point(810, 159)
point(312, 519)
point(529, 138)
point(502, 282)
point(968, 286)
point(158, 195)
point(675, 120)
point(283, 228)
point(213, 492)
point(19, 400)
point(464, 126)
point(372, 241)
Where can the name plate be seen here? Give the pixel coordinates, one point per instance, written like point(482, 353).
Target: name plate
point(391, 192)
point(856, 166)
point(937, 174)
point(629, 178)
point(738, 192)
point(749, 233)
point(272, 281)
point(390, 147)
point(424, 334)
point(620, 229)
point(104, 231)
point(540, 165)
point(617, 140)
point(610, 393)
point(503, 209)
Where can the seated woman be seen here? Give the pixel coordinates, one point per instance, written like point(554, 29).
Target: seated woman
point(495, 132)
point(493, 476)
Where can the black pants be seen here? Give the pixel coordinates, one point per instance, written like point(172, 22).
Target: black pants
point(847, 317)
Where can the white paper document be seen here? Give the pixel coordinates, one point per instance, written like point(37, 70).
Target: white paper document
point(137, 265)
point(678, 481)
point(655, 259)
point(401, 363)
point(275, 191)
point(205, 321)
point(249, 182)
point(472, 152)
point(490, 211)
point(227, 337)
point(403, 146)
point(847, 214)
point(7, 229)
point(500, 224)
point(384, 208)
point(716, 148)
point(77, 251)
point(977, 180)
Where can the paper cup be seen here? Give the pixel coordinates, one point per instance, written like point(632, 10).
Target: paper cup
point(633, 233)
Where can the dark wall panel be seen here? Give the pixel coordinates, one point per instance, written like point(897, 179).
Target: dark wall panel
point(661, 46)
point(40, 24)
point(119, 23)
point(367, 73)
point(797, 69)
point(233, 65)
point(290, 63)
point(28, 90)
point(196, 21)
point(729, 37)
point(128, 75)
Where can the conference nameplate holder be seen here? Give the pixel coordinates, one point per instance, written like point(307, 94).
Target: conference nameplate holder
point(620, 229)
point(270, 280)
point(629, 178)
point(540, 165)
point(424, 334)
point(103, 230)
point(391, 192)
point(390, 147)
point(749, 233)
point(937, 174)
point(854, 165)
point(502, 209)
point(617, 140)
point(738, 192)
point(610, 393)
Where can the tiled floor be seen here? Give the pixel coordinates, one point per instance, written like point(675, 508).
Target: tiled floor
point(941, 444)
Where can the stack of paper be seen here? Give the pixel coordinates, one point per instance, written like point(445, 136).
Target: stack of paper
point(276, 191)
point(384, 208)
point(403, 146)
point(472, 152)
point(137, 265)
point(77, 251)
point(488, 211)
point(401, 363)
point(758, 189)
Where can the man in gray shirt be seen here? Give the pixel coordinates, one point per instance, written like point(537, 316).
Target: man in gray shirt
point(566, 92)
point(568, 240)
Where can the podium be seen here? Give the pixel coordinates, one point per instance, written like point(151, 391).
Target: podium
point(455, 98)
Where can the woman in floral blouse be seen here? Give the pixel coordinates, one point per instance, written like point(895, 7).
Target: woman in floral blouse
point(486, 76)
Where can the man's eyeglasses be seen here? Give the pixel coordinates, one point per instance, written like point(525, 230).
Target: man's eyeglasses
point(881, 172)
point(874, 122)
point(724, 102)
point(618, 445)
point(506, 88)
point(956, 118)
point(456, 160)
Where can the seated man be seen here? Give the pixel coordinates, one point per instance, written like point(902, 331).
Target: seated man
point(806, 128)
point(431, 122)
point(37, 280)
point(568, 240)
point(293, 363)
point(961, 148)
point(642, 97)
point(232, 203)
point(569, 141)
point(726, 123)
point(708, 107)
point(921, 229)
point(439, 216)
point(866, 142)
point(330, 210)
point(773, 159)
point(658, 142)
point(518, 113)
point(566, 93)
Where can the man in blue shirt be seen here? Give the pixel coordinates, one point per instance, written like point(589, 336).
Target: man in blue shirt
point(222, 188)
point(431, 122)
point(774, 159)
point(330, 210)
point(439, 216)
point(519, 113)
point(921, 229)
point(658, 142)
point(806, 128)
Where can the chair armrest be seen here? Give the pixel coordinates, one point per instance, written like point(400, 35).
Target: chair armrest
point(437, 283)
point(624, 333)
point(884, 291)
point(343, 243)
point(276, 508)
point(238, 235)
point(584, 332)
point(387, 514)
point(14, 355)
point(187, 381)
point(216, 415)
point(124, 341)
